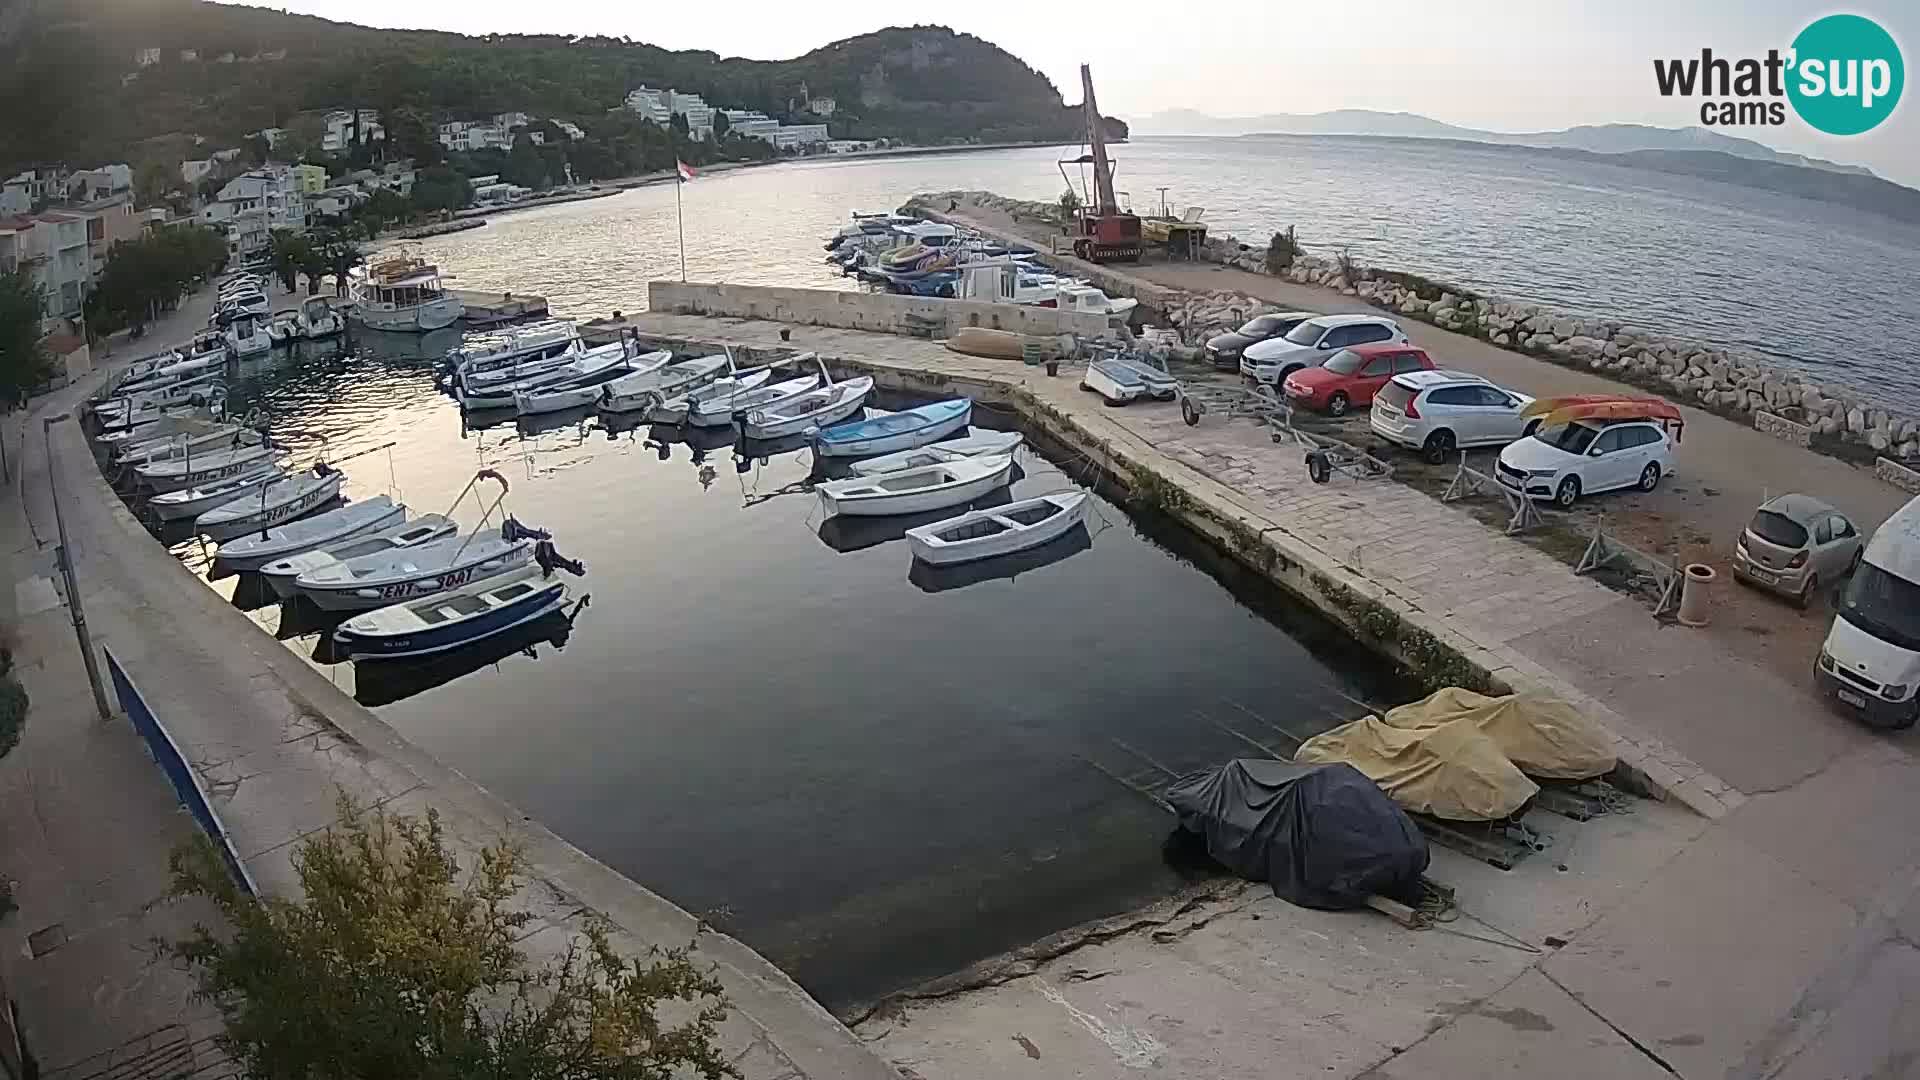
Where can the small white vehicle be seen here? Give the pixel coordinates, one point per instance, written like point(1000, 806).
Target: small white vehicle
point(1438, 412)
point(1563, 461)
point(1870, 662)
point(1311, 342)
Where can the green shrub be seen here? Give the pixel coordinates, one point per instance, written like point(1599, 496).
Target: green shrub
point(1281, 251)
point(13, 713)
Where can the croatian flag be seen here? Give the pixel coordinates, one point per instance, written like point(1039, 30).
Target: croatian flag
point(686, 170)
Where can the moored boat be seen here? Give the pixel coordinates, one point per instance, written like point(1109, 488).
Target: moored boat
point(278, 500)
point(194, 469)
point(644, 389)
point(577, 369)
point(515, 347)
point(719, 411)
point(281, 573)
point(913, 491)
point(353, 519)
point(389, 577)
point(979, 444)
point(405, 295)
point(190, 503)
point(451, 618)
point(1000, 530)
point(903, 430)
point(718, 394)
point(815, 408)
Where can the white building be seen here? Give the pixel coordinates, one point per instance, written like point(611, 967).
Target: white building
point(655, 105)
point(254, 204)
point(751, 124)
point(52, 248)
point(848, 146)
point(339, 129)
point(572, 130)
point(507, 121)
point(88, 185)
point(147, 57)
point(467, 135)
point(694, 109)
point(797, 136)
point(334, 201)
point(822, 106)
point(194, 171)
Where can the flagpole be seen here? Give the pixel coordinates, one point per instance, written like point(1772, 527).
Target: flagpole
point(680, 218)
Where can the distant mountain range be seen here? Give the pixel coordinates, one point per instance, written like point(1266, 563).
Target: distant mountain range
point(1595, 138)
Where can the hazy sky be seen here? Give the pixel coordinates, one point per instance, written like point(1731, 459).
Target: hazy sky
point(1511, 66)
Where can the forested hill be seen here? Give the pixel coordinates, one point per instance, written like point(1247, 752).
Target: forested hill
point(64, 67)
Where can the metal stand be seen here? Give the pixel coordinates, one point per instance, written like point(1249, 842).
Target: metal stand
point(62, 557)
point(1603, 549)
point(1522, 514)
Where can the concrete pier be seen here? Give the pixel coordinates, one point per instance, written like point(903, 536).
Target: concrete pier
point(492, 308)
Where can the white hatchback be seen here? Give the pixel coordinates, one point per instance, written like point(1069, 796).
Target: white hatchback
point(1567, 461)
point(1310, 343)
point(1437, 412)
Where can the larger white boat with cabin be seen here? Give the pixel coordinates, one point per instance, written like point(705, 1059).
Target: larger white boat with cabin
point(1010, 281)
point(404, 295)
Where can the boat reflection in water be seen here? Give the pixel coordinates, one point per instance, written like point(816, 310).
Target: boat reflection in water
point(935, 579)
point(846, 532)
point(387, 681)
point(662, 438)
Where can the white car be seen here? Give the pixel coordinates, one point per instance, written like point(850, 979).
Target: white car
point(1311, 342)
point(1585, 457)
point(1437, 412)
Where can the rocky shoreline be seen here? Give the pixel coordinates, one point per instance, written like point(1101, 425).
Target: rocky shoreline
point(1730, 382)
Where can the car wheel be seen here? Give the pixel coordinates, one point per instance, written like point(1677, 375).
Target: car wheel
point(1567, 493)
point(1805, 599)
point(1438, 447)
point(1650, 476)
point(1085, 387)
point(1338, 403)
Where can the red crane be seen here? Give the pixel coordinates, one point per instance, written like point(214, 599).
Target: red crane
point(1107, 233)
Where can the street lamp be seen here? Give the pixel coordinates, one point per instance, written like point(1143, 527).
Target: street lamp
point(63, 559)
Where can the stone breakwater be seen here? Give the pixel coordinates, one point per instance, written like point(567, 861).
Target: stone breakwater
point(1730, 382)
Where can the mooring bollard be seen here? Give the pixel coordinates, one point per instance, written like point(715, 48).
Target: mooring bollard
point(1695, 581)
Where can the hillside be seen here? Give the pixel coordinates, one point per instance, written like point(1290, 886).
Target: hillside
point(65, 64)
point(1598, 138)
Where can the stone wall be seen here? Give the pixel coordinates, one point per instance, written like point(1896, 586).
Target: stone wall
point(878, 312)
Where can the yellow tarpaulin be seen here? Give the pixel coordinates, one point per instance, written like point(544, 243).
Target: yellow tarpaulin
point(1451, 771)
point(1544, 736)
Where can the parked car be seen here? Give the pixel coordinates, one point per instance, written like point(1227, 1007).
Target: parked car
point(1586, 457)
point(1224, 349)
point(1438, 412)
point(1794, 545)
point(1870, 662)
point(1351, 377)
point(1311, 342)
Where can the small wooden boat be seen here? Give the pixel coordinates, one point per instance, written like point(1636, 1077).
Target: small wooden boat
point(888, 434)
point(177, 446)
point(192, 502)
point(978, 444)
point(720, 411)
point(721, 392)
point(389, 577)
point(353, 519)
point(644, 389)
point(192, 470)
point(1119, 382)
point(815, 408)
point(451, 618)
point(913, 491)
point(592, 366)
point(552, 401)
point(273, 502)
point(280, 573)
point(937, 579)
point(518, 346)
point(1001, 530)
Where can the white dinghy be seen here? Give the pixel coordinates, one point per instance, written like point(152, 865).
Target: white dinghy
point(453, 618)
point(193, 469)
point(914, 491)
point(718, 394)
point(280, 573)
point(979, 444)
point(815, 408)
point(192, 502)
point(249, 552)
point(1000, 530)
point(719, 411)
point(273, 502)
point(646, 388)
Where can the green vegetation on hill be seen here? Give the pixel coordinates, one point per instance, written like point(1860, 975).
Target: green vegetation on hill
point(66, 63)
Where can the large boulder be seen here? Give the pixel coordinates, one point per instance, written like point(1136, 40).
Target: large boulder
point(1585, 346)
point(1856, 421)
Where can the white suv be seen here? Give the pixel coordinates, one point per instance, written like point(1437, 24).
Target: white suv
point(1567, 461)
point(1311, 342)
point(1437, 412)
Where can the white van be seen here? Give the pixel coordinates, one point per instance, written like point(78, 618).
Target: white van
point(1871, 660)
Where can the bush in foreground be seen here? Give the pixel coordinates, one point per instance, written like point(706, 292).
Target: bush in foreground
point(396, 965)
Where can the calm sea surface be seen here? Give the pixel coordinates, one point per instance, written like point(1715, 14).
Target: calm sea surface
point(873, 776)
point(1819, 287)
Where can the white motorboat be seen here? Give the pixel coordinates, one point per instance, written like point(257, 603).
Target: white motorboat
point(514, 347)
point(644, 389)
point(175, 447)
point(353, 519)
point(247, 337)
point(914, 491)
point(452, 618)
point(194, 469)
point(722, 392)
point(893, 432)
point(541, 402)
point(524, 369)
point(581, 369)
point(391, 577)
point(284, 327)
point(979, 444)
point(404, 295)
point(999, 530)
point(195, 389)
point(156, 430)
point(720, 410)
point(190, 503)
point(273, 502)
point(815, 408)
point(280, 573)
point(140, 368)
point(312, 320)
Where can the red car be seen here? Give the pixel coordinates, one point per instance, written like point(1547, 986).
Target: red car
point(1351, 377)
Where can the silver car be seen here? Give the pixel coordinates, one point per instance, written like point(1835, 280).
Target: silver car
point(1794, 545)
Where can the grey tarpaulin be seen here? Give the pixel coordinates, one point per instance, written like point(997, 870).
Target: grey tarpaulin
point(1324, 836)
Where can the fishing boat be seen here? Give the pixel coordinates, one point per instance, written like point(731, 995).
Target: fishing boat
point(815, 408)
point(581, 369)
point(156, 430)
point(913, 491)
point(353, 519)
point(175, 447)
point(273, 502)
point(453, 617)
point(903, 430)
point(196, 389)
point(189, 503)
point(281, 573)
point(247, 336)
point(644, 389)
point(847, 534)
point(194, 469)
point(144, 413)
point(390, 577)
point(1001, 530)
point(517, 347)
point(719, 411)
point(404, 295)
point(721, 393)
point(979, 444)
point(937, 579)
point(383, 684)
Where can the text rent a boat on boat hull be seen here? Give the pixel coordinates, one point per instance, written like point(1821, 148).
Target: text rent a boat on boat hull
point(280, 574)
point(279, 500)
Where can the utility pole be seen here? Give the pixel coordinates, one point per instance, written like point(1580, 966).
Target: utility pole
point(63, 558)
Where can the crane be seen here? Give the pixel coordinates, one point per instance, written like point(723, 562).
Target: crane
point(1107, 233)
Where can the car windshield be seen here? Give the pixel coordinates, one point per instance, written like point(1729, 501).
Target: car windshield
point(1306, 333)
point(1884, 605)
point(1573, 438)
point(1778, 529)
point(1344, 362)
point(1261, 326)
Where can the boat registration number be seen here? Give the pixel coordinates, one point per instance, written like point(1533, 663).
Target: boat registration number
point(452, 579)
point(1853, 699)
